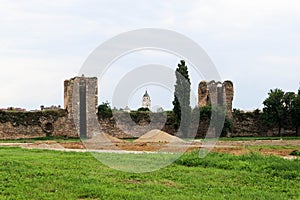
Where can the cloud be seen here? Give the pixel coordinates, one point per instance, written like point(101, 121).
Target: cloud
point(255, 43)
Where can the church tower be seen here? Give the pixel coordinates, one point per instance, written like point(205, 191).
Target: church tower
point(146, 103)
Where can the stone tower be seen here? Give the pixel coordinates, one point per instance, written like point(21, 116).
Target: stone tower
point(216, 93)
point(80, 101)
point(146, 103)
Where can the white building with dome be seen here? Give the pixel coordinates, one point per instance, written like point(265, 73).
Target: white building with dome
point(146, 103)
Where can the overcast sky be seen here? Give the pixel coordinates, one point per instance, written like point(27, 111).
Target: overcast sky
point(254, 43)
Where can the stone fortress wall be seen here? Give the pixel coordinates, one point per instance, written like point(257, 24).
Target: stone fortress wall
point(36, 124)
point(81, 102)
point(65, 122)
point(216, 93)
point(59, 122)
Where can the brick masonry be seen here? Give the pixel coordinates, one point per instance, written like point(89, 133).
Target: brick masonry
point(65, 122)
point(216, 93)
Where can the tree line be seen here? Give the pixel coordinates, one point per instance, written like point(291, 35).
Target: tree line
point(282, 110)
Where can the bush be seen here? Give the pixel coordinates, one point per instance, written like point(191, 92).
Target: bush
point(295, 153)
point(104, 110)
point(143, 109)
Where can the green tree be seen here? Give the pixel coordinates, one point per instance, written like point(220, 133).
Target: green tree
point(181, 103)
point(143, 109)
point(104, 110)
point(295, 112)
point(288, 103)
point(274, 108)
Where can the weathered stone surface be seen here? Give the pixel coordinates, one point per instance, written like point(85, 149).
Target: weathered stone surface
point(65, 122)
point(23, 125)
point(216, 93)
point(72, 102)
point(252, 124)
point(245, 124)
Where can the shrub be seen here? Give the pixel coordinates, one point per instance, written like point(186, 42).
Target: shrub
point(295, 153)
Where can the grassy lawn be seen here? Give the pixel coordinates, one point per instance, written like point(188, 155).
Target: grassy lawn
point(259, 138)
point(42, 174)
point(277, 147)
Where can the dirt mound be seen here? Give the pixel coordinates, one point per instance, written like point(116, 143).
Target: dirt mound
point(156, 136)
point(104, 138)
point(45, 145)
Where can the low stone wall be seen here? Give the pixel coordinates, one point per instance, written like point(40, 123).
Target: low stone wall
point(133, 125)
point(252, 124)
point(14, 125)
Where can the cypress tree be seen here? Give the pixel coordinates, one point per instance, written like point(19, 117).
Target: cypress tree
point(181, 103)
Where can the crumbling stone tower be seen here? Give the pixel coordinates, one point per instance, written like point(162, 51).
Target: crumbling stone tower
point(80, 101)
point(216, 93)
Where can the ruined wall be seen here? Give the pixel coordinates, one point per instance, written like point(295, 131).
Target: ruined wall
point(216, 93)
point(73, 103)
point(252, 124)
point(62, 122)
point(14, 125)
point(135, 124)
point(139, 123)
point(65, 122)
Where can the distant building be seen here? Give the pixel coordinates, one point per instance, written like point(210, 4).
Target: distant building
point(13, 109)
point(127, 109)
point(50, 108)
point(159, 109)
point(146, 102)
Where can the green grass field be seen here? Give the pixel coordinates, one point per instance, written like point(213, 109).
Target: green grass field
point(32, 140)
point(43, 174)
point(259, 138)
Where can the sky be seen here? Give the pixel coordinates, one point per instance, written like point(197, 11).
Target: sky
point(254, 43)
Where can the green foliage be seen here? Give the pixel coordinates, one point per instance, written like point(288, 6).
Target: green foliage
point(228, 127)
point(181, 103)
point(42, 174)
point(295, 112)
point(295, 153)
point(138, 116)
point(274, 109)
point(205, 111)
point(104, 110)
point(282, 110)
point(219, 114)
point(143, 109)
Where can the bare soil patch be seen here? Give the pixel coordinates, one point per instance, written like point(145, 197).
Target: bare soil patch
point(261, 143)
point(157, 140)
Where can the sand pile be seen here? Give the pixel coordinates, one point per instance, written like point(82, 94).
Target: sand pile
point(155, 136)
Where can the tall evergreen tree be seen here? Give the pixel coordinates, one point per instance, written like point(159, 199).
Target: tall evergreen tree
point(181, 103)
